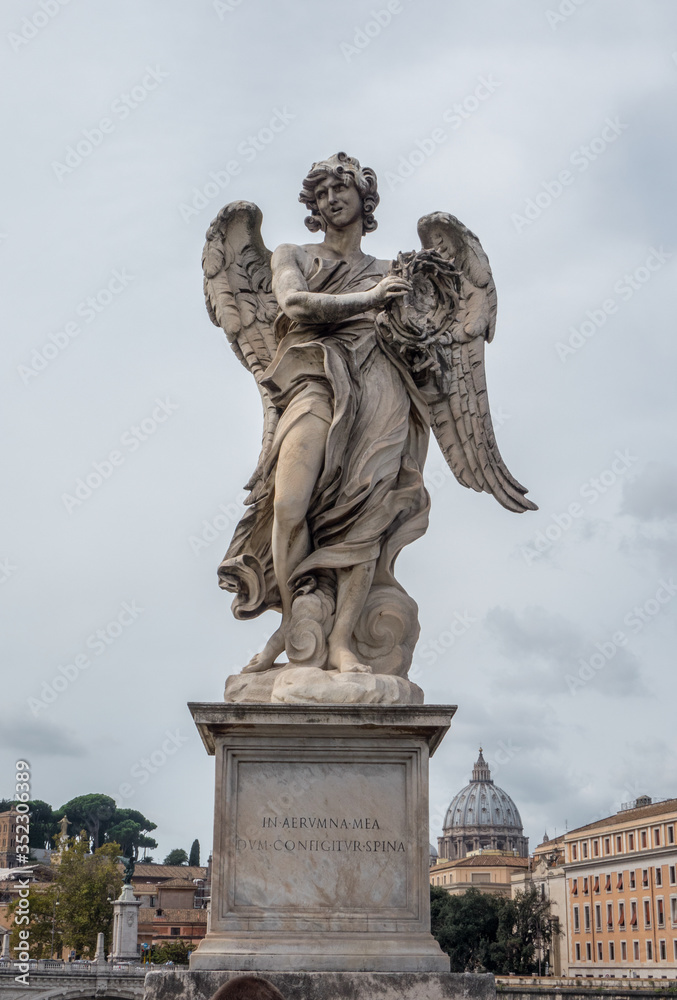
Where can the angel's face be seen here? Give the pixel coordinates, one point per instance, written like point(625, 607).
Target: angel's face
point(338, 201)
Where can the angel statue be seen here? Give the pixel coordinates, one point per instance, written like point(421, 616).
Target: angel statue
point(355, 359)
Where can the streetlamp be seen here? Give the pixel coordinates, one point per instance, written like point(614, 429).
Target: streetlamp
point(56, 903)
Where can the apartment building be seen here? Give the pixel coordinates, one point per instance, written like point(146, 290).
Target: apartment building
point(621, 888)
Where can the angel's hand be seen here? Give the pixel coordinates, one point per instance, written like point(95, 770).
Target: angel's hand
point(390, 287)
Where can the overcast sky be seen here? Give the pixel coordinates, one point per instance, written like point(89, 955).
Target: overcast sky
point(547, 127)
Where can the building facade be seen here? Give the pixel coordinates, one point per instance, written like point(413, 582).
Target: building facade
point(488, 871)
point(621, 889)
point(482, 817)
point(546, 875)
point(8, 838)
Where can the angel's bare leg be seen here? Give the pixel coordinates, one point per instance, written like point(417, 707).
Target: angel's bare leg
point(351, 593)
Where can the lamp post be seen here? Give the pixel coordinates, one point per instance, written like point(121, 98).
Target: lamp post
point(56, 903)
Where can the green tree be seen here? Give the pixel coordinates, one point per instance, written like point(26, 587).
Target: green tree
point(483, 933)
point(44, 826)
point(176, 857)
point(524, 927)
point(86, 882)
point(465, 925)
point(173, 951)
point(44, 925)
point(129, 828)
point(194, 858)
point(92, 813)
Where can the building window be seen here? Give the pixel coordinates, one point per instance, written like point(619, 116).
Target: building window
point(649, 951)
point(588, 951)
point(574, 852)
point(586, 917)
point(574, 887)
point(674, 948)
point(578, 951)
point(598, 917)
point(174, 931)
point(619, 843)
point(645, 877)
point(659, 876)
point(643, 835)
point(673, 874)
point(624, 951)
point(607, 884)
point(662, 950)
point(600, 955)
point(585, 848)
point(596, 884)
point(631, 879)
point(631, 841)
point(657, 837)
point(619, 883)
point(647, 913)
point(607, 845)
point(635, 950)
point(612, 952)
point(673, 909)
point(671, 835)
point(585, 887)
point(595, 848)
point(633, 914)
point(660, 913)
point(610, 915)
point(577, 922)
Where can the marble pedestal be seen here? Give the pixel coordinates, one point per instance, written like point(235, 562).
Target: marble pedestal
point(124, 947)
point(321, 847)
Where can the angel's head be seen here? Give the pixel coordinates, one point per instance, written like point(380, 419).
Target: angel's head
point(348, 171)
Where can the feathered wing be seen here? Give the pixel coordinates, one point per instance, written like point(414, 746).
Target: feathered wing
point(461, 419)
point(237, 286)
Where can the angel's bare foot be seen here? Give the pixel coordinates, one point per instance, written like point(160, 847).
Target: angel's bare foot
point(266, 658)
point(345, 660)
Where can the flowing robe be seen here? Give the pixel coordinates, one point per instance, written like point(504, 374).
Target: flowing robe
point(369, 500)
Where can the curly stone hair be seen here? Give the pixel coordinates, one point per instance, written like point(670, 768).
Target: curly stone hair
point(341, 165)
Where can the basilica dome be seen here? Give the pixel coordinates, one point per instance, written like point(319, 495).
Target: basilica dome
point(482, 817)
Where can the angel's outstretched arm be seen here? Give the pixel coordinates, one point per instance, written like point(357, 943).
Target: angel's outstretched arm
point(291, 291)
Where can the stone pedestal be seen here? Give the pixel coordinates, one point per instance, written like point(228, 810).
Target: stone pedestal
point(124, 946)
point(321, 846)
point(180, 985)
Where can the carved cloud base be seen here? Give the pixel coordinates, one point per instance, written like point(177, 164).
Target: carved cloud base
point(292, 685)
point(321, 848)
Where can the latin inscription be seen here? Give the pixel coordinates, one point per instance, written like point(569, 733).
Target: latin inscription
point(294, 842)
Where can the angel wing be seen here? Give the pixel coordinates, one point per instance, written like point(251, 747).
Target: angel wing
point(237, 287)
point(461, 419)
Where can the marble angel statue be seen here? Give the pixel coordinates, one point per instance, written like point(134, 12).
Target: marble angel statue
point(355, 359)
